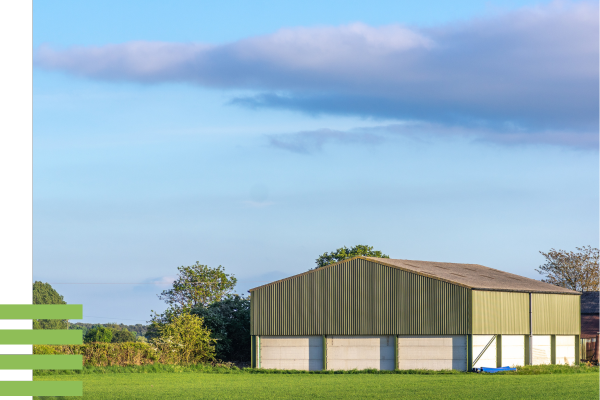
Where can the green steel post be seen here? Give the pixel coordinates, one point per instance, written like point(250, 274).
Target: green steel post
point(499, 351)
point(470, 311)
point(553, 349)
point(324, 353)
point(253, 351)
point(530, 339)
point(397, 365)
point(577, 356)
point(526, 359)
point(469, 353)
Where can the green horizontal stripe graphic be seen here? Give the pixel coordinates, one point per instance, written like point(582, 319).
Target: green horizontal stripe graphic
point(41, 311)
point(22, 336)
point(41, 388)
point(41, 361)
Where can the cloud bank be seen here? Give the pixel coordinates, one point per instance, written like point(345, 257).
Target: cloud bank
point(534, 68)
point(310, 142)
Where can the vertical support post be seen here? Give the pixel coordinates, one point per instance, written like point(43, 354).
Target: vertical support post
point(397, 360)
point(469, 353)
point(526, 358)
point(553, 349)
point(324, 353)
point(498, 351)
point(596, 345)
point(577, 355)
point(253, 351)
point(530, 334)
point(258, 351)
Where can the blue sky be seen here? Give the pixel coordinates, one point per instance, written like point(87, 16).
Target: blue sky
point(259, 135)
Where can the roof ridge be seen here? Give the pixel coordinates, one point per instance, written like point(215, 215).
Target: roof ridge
point(414, 270)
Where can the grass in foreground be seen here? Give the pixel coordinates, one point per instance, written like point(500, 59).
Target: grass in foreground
point(189, 385)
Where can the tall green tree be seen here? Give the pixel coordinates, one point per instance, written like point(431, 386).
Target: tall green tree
point(44, 293)
point(574, 270)
point(344, 253)
point(196, 286)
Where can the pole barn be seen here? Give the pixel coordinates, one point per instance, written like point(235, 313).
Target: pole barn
point(388, 314)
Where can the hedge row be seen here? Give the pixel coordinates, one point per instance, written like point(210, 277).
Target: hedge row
point(113, 354)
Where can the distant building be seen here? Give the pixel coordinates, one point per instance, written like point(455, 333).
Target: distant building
point(589, 315)
point(388, 314)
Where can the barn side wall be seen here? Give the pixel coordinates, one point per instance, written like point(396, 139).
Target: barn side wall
point(556, 314)
point(500, 313)
point(508, 313)
point(359, 297)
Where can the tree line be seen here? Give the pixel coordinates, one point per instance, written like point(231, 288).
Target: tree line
point(138, 329)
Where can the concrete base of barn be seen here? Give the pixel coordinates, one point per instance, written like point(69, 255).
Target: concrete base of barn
point(432, 352)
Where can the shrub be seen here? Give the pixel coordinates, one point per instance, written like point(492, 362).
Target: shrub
point(185, 340)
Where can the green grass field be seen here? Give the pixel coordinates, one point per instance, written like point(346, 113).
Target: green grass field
point(189, 385)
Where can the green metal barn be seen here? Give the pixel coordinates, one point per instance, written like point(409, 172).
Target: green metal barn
point(383, 313)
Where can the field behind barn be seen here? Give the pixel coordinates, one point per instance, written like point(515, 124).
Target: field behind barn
point(189, 385)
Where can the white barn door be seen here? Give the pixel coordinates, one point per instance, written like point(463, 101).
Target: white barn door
point(432, 352)
point(565, 350)
point(360, 352)
point(291, 352)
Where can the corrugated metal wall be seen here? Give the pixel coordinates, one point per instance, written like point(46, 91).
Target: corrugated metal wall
point(500, 313)
point(360, 297)
point(555, 314)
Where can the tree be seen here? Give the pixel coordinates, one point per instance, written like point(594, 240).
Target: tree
point(229, 323)
point(344, 253)
point(574, 270)
point(122, 335)
point(196, 285)
point(99, 334)
point(44, 293)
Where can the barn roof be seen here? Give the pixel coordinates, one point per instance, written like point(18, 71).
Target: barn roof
point(589, 303)
point(472, 276)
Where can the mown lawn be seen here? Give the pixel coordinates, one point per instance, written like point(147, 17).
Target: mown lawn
point(366, 386)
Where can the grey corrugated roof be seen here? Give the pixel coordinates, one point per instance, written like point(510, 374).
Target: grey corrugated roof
point(474, 276)
point(589, 303)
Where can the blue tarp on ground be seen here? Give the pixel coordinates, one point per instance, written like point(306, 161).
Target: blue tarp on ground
point(492, 370)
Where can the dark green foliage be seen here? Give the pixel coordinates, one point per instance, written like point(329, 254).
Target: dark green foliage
point(229, 322)
point(98, 334)
point(153, 330)
point(344, 253)
point(44, 293)
point(122, 336)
